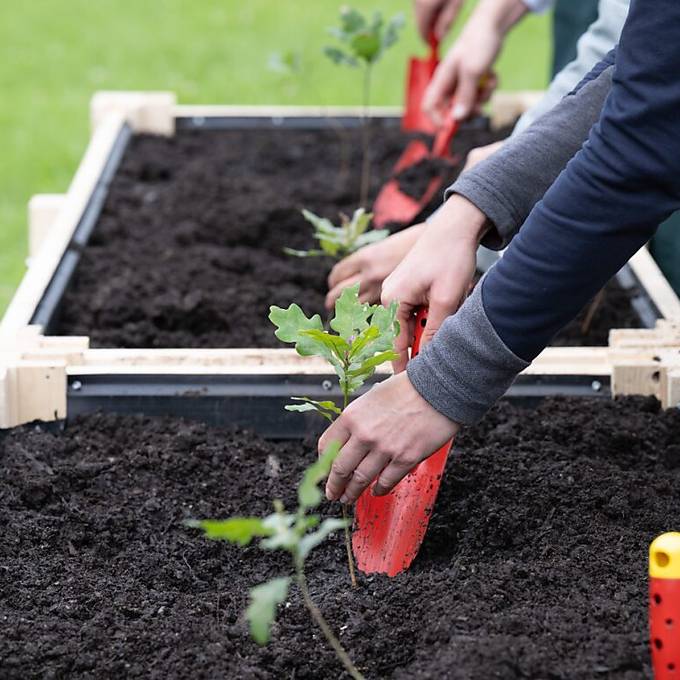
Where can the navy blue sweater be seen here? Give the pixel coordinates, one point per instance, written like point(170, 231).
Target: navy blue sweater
point(610, 198)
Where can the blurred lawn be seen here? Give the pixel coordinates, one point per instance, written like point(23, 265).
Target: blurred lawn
point(56, 53)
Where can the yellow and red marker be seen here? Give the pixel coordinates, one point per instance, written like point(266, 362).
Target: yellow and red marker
point(664, 606)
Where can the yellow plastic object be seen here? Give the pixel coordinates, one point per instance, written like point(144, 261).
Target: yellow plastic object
point(664, 556)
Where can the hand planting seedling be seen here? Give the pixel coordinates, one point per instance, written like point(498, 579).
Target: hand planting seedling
point(365, 42)
point(365, 340)
point(296, 533)
point(338, 242)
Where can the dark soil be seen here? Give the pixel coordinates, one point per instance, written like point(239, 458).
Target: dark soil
point(614, 311)
point(188, 249)
point(534, 565)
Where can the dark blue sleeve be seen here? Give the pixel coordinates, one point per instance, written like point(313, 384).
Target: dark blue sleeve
point(609, 199)
point(609, 60)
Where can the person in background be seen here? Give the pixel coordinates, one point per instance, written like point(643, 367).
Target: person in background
point(588, 183)
point(373, 264)
point(479, 44)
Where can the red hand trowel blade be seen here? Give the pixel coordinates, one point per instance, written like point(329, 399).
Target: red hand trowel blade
point(392, 204)
point(390, 529)
point(420, 72)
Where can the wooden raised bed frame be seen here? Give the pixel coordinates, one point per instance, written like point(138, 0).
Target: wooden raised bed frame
point(35, 369)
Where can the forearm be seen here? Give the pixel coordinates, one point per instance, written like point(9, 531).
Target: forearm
point(507, 185)
point(601, 209)
point(499, 15)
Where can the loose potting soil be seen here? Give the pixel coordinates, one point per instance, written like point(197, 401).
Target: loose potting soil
point(188, 251)
point(534, 564)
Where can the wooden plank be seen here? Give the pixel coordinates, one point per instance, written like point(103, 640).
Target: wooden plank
point(40, 390)
point(503, 109)
point(43, 210)
point(25, 338)
point(655, 283)
point(8, 400)
point(552, 361)
point(43, 266)
point(31, 390)
point(665, 334)
point(151, 112)
point(671, 389)
point(239, 111)
point(637, 377)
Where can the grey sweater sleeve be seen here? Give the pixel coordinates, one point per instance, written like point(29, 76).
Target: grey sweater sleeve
point(467, 367)
point(506, 186)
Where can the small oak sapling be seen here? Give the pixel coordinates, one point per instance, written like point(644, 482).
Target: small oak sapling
point(338, 242)
point(296, 533)
point(364, 42)
point(363, 340)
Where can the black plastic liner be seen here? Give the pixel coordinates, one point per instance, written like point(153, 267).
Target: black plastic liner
point(256, 402)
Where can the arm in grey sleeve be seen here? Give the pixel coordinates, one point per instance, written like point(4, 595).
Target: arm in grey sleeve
point(507, 185)
point(594, 44)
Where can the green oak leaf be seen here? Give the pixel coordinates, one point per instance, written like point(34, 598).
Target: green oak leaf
point(309, 541)
point(262, 608)
point(368, 366)
point(372, 236)
point(290, 326)
point(339, 241)
point(240, 530)
point(366, 45)
point(304, 253)
point(351, 316)
point(283, 534)
point(366, 41)
point(334, 343)
point(309, 495)
point(327, 409)
point(351, 20)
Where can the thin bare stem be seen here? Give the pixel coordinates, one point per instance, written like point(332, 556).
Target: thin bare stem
point(348, 547)
point(366, 140)
point(345, 514)
point(590, 314)
point(326, 629)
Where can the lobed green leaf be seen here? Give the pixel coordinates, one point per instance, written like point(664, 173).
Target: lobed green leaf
point(283, 534)
point(309, 495)
point(290, 326)
point(368, 366)
point(304, 253)
point(369, 237)
point(262, 608)
point(334, 343)
point(310, 541)
point(240, 530)
point(327, 409)
point(351, 316)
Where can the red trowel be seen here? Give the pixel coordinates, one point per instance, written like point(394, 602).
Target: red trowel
point(392, 204)
point(420, 72)
point(389, 529)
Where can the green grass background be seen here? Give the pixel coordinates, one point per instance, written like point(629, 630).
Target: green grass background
point(56, 53)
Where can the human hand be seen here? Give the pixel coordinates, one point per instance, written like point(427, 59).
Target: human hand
point(465, 75)
point(384, 434)
point(437, 271)
point(435, 17)
point(481, 153)
point(371, 265)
